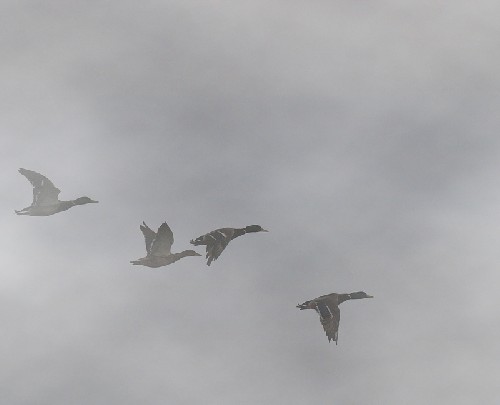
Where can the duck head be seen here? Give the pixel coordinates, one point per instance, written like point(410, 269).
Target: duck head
point(255, 228)
point(191, 253)
point(84, 200)
point(359, 295)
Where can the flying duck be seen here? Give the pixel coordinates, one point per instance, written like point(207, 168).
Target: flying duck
point(217, 240)
point(45, 197)
point(327, 306)
point(158, 246)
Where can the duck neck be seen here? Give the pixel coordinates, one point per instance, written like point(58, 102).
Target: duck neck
point(239, 232)
point(184, 253)
point(343, 297)
point(66, 205)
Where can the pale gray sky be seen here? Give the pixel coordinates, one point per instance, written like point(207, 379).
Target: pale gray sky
point(363, 135)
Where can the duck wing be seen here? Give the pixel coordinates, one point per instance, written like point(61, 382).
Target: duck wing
point(329, 316)
point(44, 191)
point(149, 236)
point(163, 241)
point(216, 243)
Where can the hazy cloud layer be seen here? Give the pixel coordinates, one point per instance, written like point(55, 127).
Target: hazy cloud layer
point(363, 135)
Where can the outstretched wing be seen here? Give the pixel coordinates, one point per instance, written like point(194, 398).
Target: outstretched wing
point(163, 242)
point(149, 236)
point(216, 243)
point(44, 191)
point(329, 316)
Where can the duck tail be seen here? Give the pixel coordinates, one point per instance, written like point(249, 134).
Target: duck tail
point(200, 240)
point(304, 305)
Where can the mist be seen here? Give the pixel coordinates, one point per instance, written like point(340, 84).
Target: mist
point(362, 135)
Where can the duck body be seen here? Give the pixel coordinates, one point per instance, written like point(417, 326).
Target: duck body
point(216, 241)
point(160, 261)
point(45, 197)
point(158, 247)
point(327, 307)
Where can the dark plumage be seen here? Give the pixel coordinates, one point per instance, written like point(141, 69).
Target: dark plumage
point(45, 197)
point(158, 245)
point(327, 306)
point(216, 241)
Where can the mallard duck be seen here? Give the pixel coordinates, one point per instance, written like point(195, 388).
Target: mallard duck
point(158, 246)
point(327, 306)
point(216, 241)
point(45, 197)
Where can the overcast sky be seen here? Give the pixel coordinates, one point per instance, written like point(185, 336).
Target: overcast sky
point(362, 134)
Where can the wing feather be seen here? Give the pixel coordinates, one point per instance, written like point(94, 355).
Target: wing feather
point(163, 242)
point(329, 316)
point(216, 243)
point(149, 236)
point(44, 191)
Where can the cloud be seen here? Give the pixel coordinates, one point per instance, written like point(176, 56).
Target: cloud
point(362, 135)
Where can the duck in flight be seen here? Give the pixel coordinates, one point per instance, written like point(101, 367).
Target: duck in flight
point(45, 197)
point(158, 245)
point(327, 306)
point(216, 241)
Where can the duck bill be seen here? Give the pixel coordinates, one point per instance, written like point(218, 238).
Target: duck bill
point(93, 201)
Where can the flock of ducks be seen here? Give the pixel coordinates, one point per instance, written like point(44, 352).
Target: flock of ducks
point(158, 246)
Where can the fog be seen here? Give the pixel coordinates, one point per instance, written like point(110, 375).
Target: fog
point(362, 135)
